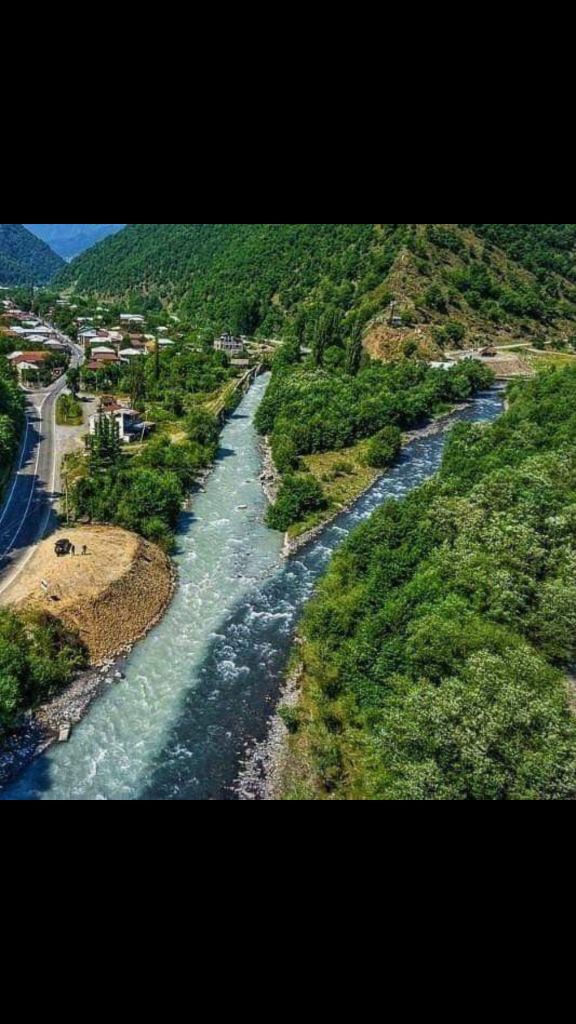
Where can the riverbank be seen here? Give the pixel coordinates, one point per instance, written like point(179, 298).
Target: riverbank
point(270, 477)
point(262, 775)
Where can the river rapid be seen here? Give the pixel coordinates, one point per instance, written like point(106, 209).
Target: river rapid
point(199, 690)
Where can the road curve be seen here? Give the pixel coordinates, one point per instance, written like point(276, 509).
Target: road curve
point(28, 512)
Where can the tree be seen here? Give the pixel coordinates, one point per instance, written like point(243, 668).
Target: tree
point(203, 428)
point(137, 382)
point(354, 351)
point(73, 380)
point(384, 448)
point(300, 495)
point(104, 445)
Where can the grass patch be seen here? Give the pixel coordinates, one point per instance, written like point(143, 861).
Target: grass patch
point(343, 476)
point(548, 360)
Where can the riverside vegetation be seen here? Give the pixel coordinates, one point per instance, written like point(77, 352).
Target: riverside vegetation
point(309, 409)
point(437, 649)
point(39, 656)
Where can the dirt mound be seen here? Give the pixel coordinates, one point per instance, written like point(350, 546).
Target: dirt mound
point(111, 596)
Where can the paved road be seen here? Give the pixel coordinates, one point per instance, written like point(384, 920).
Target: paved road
point(28, 511)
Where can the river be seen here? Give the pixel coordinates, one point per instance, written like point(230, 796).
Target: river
point(199, 689)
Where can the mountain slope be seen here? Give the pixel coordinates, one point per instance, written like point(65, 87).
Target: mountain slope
point(262, 277)
point(545, 249)
point(71, 239)
point(25, 259)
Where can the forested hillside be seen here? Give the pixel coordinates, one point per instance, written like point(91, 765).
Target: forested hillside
point(69, 240)
point(25, 259)
point(438, 647)
point(545, 249)
point(448, 282)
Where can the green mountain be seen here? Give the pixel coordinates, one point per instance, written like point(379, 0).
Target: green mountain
point(69, 240)
point(25, 259)
point(466, 280)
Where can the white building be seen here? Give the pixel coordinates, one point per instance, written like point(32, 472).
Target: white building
point(127, 354)
point(132, 318)
point(228, 343)
point(128, 420)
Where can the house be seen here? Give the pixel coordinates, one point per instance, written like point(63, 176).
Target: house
point(102, 350)
point(25, 362)
point(35, 336)
point(228, 343)
point(127, 354)
point(87, 336)
point(132, 318)
point(240, 364)
point(102, 361)
point(130, 424)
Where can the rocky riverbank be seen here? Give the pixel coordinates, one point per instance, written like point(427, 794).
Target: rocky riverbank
point(261, 776)
point(42, 727)
point(270, 476)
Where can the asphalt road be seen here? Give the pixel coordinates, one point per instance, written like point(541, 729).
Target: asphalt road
point(28, 512)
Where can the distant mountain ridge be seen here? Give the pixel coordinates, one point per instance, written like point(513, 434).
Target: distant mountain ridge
point(69, 240)
point(24, 258)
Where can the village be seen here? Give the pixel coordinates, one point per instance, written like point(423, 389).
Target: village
point(110, 345)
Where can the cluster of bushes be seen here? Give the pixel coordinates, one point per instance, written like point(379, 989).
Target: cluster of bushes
point(144, 493)
point(544, 249)
point(384, 448)
point(299, 497)
point(38, 657)
point(438, 645)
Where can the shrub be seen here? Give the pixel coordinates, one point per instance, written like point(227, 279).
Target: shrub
point(384, 448)
point(300, 496)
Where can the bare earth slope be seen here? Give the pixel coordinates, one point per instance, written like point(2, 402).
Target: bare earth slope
point(112, 596)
